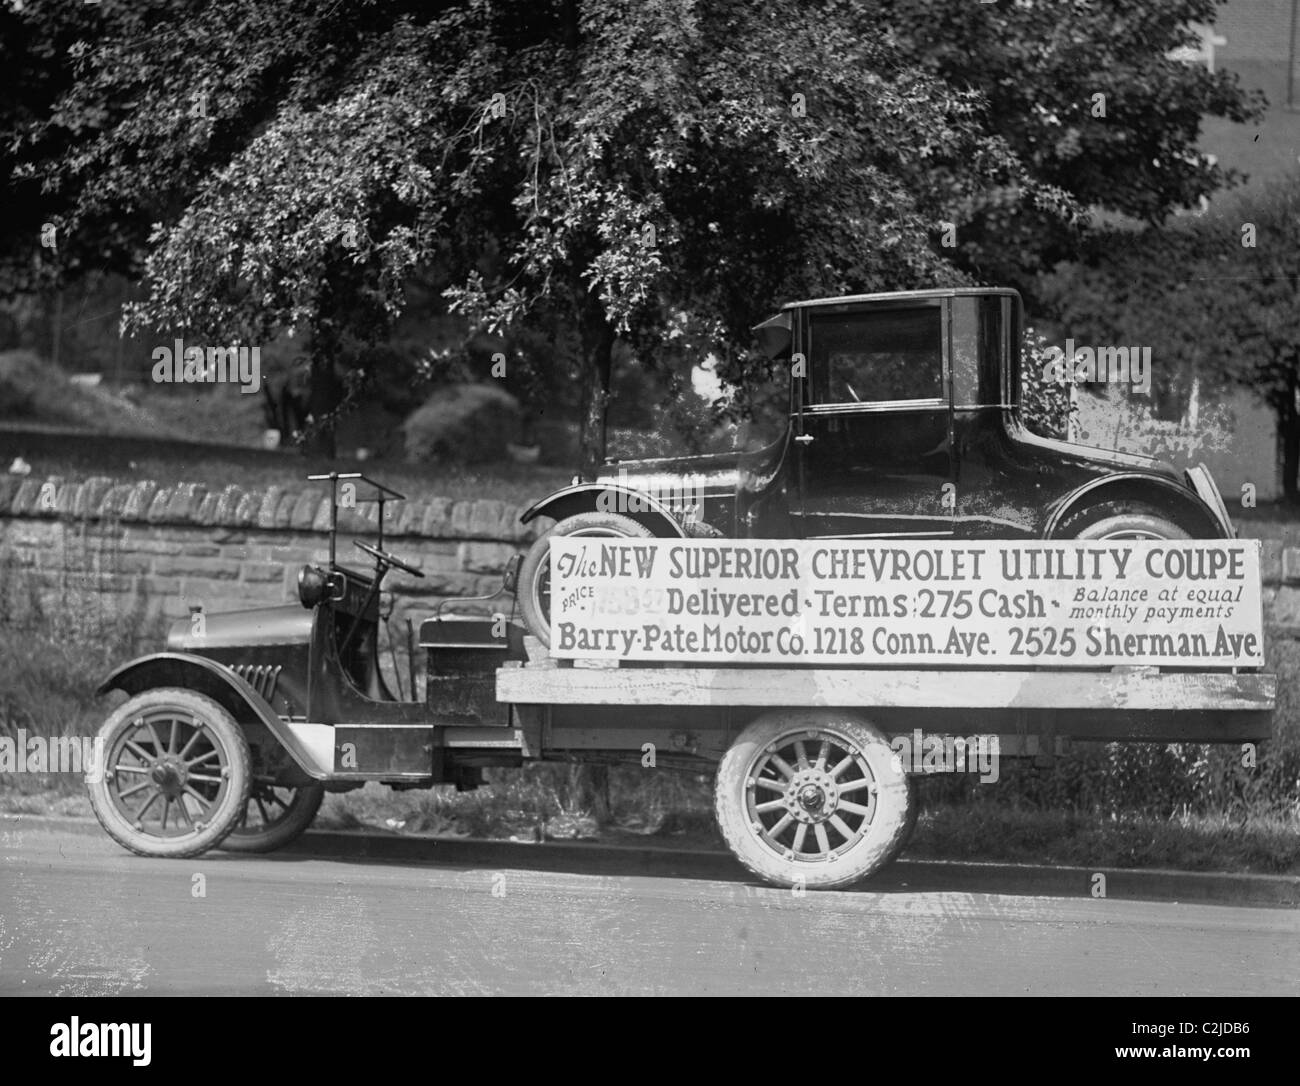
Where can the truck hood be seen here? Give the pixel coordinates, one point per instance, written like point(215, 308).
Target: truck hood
point(287, 625)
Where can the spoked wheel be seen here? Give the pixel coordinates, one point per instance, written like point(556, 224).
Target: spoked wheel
point(274, 816)
point(534, 590)
point(175, 774)
point(813, 798)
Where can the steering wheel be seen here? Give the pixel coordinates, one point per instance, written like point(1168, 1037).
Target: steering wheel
point(386, 558)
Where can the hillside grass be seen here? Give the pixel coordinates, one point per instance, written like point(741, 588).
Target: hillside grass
point(211, 435)
point(73, 456)
point(34, 392)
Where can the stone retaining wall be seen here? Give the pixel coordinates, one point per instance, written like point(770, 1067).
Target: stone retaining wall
point(166, 549)
point(163, 550)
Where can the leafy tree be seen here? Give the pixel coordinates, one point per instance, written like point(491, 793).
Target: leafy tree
point(1219, 293)
point(1140, 287)
point(608, 165)
point(1086, 96)
point(39, 46)
point(1249, 282)
point(657, 172)
point(1045, 405)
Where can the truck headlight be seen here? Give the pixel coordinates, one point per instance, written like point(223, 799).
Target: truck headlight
point(312, 583)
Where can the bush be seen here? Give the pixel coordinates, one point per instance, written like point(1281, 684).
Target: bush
point(21, 376)
point(467, 424)
point(33, 390)
point(558, 440)
point(56, 648)
point(1045, 406)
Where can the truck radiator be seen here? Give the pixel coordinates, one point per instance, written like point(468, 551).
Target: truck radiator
point(261, 677)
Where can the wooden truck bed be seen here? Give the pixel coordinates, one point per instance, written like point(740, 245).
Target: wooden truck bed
point(577, 707)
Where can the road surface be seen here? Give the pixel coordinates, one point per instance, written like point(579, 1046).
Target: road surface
point(79, 916)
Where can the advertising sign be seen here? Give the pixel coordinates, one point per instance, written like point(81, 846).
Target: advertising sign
point(1068, 603)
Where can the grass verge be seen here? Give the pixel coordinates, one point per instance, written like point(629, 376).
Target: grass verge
point(516, 809)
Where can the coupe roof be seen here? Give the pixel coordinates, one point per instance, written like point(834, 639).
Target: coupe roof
point(774, 333)
point(902, 296)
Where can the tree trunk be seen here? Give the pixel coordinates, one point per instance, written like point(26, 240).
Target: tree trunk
point(589, 784)
point(597, 366)
point(323, 393)
point(56, 332)
point(1289, 421)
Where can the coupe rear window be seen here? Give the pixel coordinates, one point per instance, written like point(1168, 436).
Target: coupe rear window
point(877, 356)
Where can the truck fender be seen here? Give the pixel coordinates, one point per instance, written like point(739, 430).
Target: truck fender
point(219, 683)
point(607, 498)
point(1186, 506)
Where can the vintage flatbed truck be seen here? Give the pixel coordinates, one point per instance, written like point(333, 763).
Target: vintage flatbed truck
point(232, 735)
point(904, 424)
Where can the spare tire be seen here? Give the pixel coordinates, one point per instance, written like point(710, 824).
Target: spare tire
point(534, 591)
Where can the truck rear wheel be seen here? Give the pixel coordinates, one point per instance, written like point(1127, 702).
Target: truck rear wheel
point(813, 798)
point(274, 816)
point(534, 590)
point(175, 774)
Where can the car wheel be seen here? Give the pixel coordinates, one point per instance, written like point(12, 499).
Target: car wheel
point(534, 592)
point(1116, 520)
point(274, 816)
point(813, 798)
point(175, 774)
point(1121, 521)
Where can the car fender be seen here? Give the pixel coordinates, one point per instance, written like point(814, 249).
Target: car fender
point(1135, 486)
point(220, 684)
point(607, 498)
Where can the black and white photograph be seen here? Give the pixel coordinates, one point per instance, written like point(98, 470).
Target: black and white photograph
point(649, 498)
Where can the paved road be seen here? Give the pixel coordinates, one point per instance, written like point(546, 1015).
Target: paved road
point(78, 916)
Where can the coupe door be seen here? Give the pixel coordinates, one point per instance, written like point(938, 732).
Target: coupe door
point(875, 449)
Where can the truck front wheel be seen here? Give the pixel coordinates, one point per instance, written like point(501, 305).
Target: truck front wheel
point(813, 798)
point(174, 776)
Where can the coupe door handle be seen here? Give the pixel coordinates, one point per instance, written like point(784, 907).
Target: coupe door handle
point(804, 439)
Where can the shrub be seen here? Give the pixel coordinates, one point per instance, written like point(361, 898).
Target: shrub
point(38, 391)
point(55, 649)
point(1045, 407)
point(467, 424)
point(558, 440)
point(21, 376)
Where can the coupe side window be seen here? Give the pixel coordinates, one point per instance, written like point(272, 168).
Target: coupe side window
point(877, 356)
